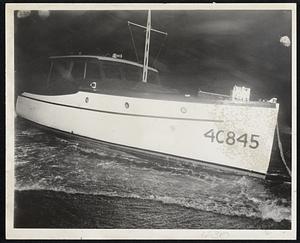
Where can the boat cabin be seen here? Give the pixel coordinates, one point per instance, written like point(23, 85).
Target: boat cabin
point(110, 75)
point(69, 74)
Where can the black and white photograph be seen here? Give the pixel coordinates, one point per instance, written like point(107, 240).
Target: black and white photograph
point(161, 121)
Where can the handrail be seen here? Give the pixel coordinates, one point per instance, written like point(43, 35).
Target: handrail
point(200, 91)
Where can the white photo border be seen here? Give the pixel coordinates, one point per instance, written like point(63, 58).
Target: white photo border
point(17, 233)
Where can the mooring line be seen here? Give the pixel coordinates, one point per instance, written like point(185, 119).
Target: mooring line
point(281, 150)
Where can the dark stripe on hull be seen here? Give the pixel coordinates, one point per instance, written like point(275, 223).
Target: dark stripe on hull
point(239, 171)
point(123, 114)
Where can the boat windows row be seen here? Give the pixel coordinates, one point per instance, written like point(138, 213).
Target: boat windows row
point(83, 72)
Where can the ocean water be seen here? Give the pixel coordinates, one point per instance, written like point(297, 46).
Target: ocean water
point(64, 182)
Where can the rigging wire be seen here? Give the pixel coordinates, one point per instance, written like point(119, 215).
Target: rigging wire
point(162, 44)
point(133, 43)
point(281, 150)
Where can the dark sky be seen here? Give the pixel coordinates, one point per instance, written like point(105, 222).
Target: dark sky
point(211, 50)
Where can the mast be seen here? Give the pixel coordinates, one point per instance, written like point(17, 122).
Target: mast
point(147, 43)
point(147, 46)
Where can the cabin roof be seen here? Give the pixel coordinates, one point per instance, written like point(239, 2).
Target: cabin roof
point(104, 58)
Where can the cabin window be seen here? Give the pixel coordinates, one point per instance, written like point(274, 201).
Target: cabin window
point(77, 70)
point(112, 70)
point(92, 70)
point(61, 78)
point(60, 70)
point(132, 73)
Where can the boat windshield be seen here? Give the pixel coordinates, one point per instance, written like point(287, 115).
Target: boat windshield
point(71, 70)
point(70, 74)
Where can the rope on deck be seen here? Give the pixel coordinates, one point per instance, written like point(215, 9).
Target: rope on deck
point(281, 150)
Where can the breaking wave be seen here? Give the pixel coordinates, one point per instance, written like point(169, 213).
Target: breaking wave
point(275, 209)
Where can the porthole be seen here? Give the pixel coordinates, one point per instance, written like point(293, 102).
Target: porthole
point(183, 110)
point(126, 105)
point(93, 85)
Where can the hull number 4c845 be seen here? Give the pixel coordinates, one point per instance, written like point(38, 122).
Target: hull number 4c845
point(231, 138)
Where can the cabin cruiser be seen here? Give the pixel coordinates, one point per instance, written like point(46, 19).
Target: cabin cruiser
point(123, 103)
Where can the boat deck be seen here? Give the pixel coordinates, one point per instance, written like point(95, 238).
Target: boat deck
point(156, 92)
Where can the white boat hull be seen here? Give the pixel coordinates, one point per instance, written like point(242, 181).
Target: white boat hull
point(232, 135)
